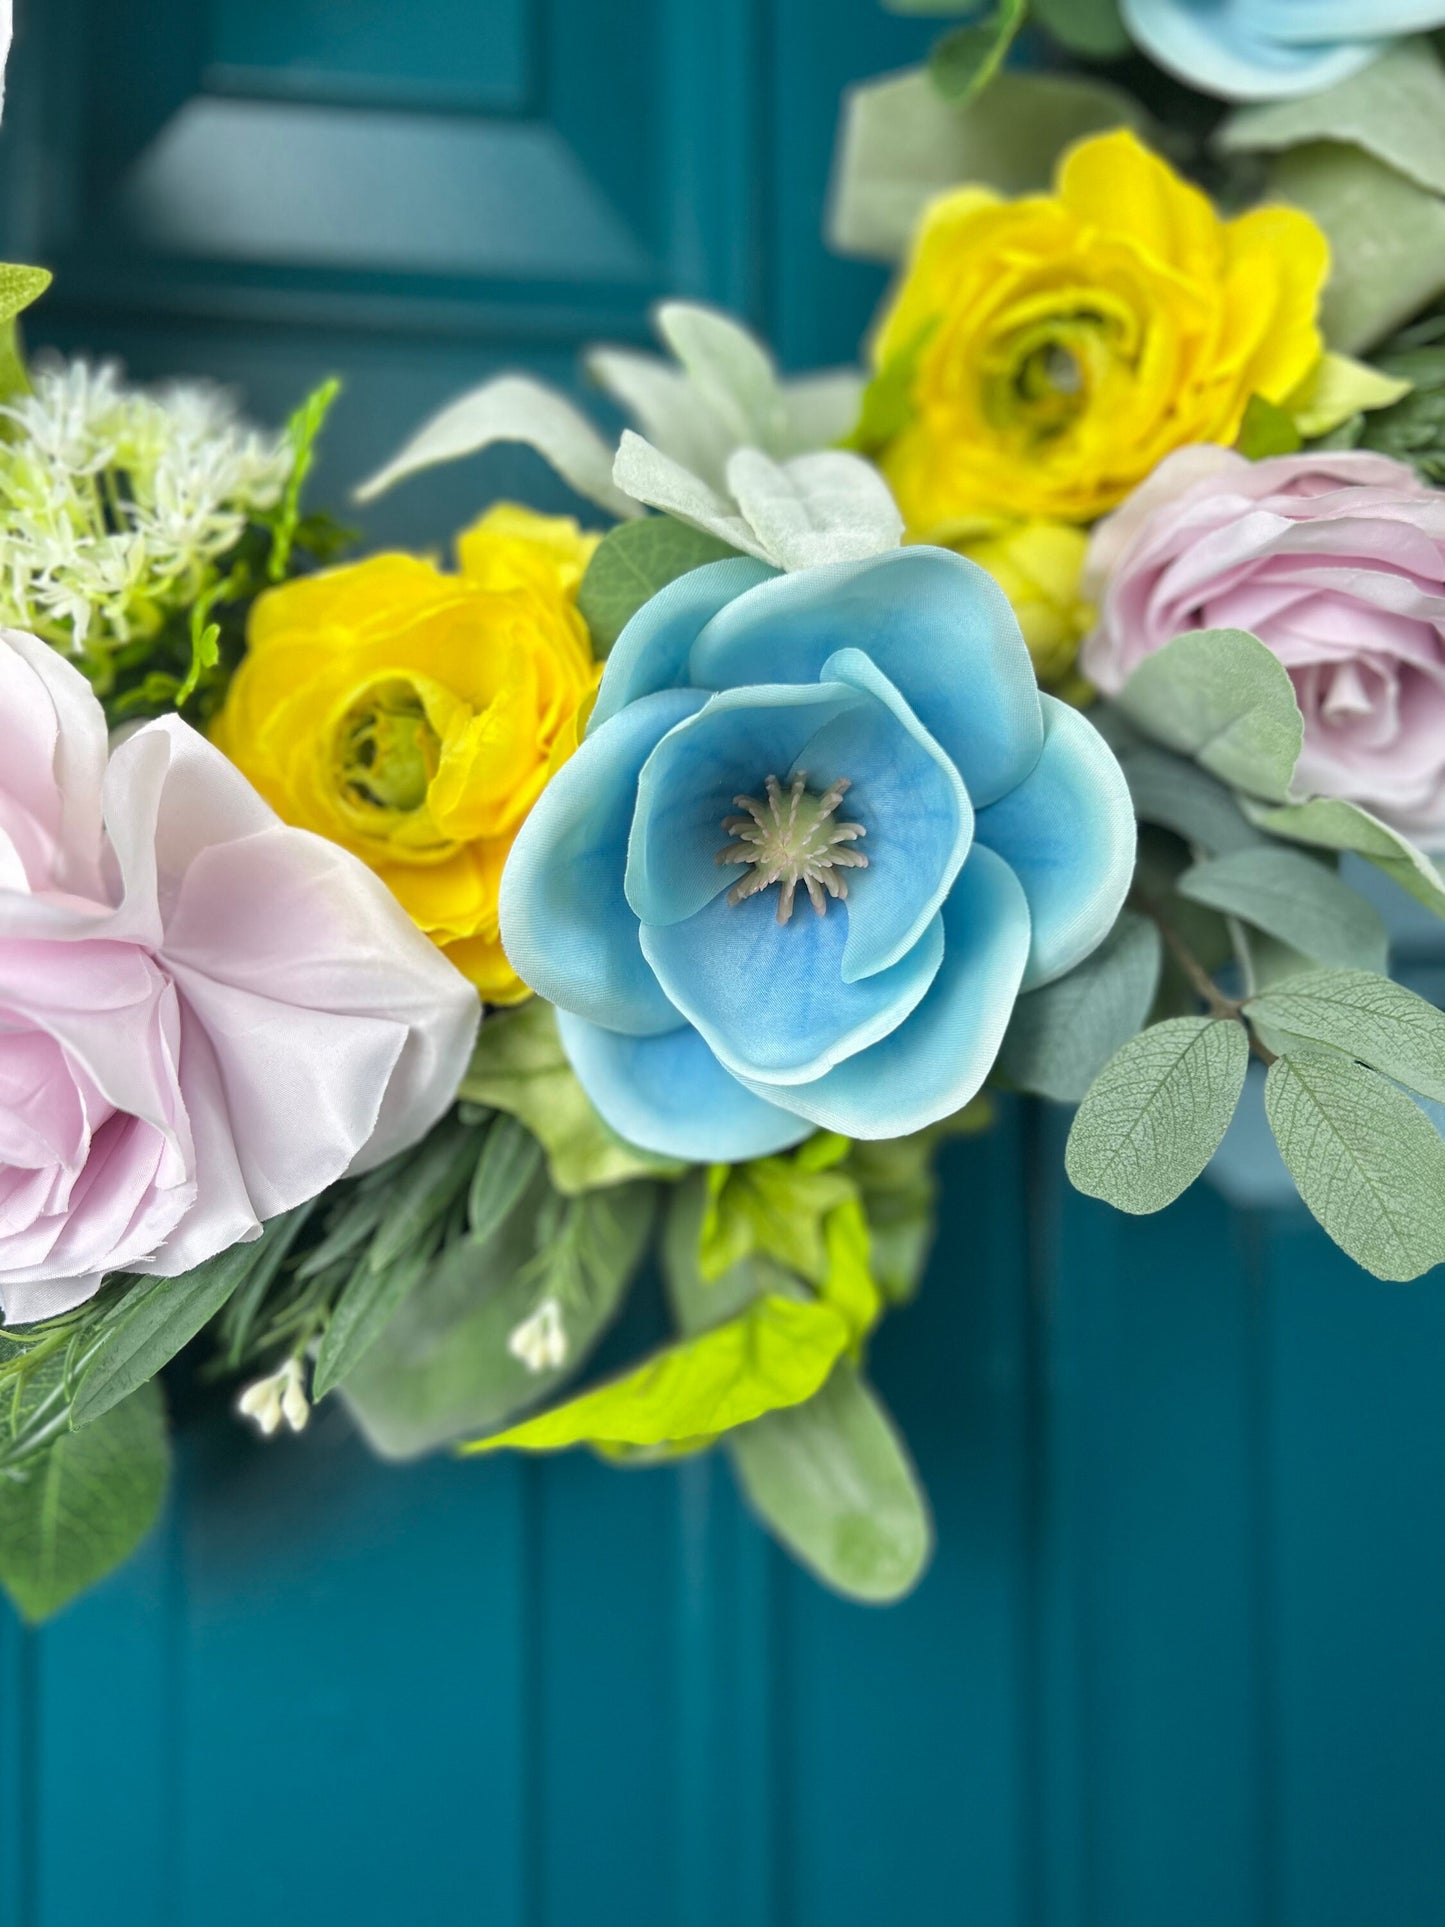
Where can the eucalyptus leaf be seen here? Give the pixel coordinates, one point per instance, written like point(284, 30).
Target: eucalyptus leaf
point(1365, 1015)
point(631, 563)
point(1182, 797)
point(1220, 696)
point(832, 1480)
point(511, 408)
point(1154, 1116)
point(1368, 1163)
point(79, 1509)
point(902, 144)
point(1295, 898)
point(1330, 823)
point(1062, 1036)
point(1386, 236)
point(1393, 108)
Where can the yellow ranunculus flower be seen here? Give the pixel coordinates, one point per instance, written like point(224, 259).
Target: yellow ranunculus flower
point(1039, 566)
point(414, 716)
point(1042, 355)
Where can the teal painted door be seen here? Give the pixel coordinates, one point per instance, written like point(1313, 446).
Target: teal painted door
point(1178, 1662)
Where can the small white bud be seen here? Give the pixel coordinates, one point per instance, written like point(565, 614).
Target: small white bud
point(279, 1396)
point(540, 1341)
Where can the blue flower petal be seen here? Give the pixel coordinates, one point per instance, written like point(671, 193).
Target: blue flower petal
point(939, 628)
point(1068, 834)
point(1224, 47)
point(652, 651)
point(938, 1058)
point(911, 801)
point(566, 926)
point(689, 782)
point(669, 1094)
point(770, 998)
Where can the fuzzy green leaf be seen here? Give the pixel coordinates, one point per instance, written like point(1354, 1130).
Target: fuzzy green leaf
point(1296, 899)
point(832, 1480)
point(79, 1509)
point(1365, 1015)
point(1155, 1114)
point(1329, 823)
point(631, 563)
point(1368, 1163)
point(1062, 1036)
point(1220, 696)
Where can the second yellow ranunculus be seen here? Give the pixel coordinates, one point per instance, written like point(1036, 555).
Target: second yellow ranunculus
point(1041, 356)
point(414, 715)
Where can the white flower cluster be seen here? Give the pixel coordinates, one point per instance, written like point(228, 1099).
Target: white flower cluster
point(115, 502)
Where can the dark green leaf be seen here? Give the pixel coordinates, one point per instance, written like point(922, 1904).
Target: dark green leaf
point(966, 59)
point(71, 1515)
point(1092, 28)
point(511, 1158)
point(631, 563)
point(423, 1192)
point(371, 1298)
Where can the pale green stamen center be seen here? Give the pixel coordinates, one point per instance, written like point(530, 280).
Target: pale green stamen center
point(386, 749)
point(790, 838)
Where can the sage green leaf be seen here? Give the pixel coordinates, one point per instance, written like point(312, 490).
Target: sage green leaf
point(368, 1301)
point(1329, 823)
point(1386, 236)
point(1368, 1163)
point(1394, 109)
point(1220, 696)
point(1093, 28)
point(1182, 797)
point(775, 1353)
point(1365, 1015)
point(902, 144)
point(966, 59)
point(79, 1509)
point(443, 1368)
point(19, 286)
point(1295, 898)
point(512, 408)
point(631, 563)
point(832, 1480)
point(1062, 1036)
point(519, 1066)
point(1155, 1114)
point(154, 1318)
point(510, 1161)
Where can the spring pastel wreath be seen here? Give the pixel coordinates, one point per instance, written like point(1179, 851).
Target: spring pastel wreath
point(396, 957)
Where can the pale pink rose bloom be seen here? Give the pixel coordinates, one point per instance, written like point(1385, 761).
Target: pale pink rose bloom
point(205, 1016)
point(1337, 563)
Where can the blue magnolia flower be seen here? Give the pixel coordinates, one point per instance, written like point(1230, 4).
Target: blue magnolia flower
point(1268, 49)
point(821, 831)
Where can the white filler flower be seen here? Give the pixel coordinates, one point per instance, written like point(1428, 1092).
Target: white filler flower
point(281, 1396)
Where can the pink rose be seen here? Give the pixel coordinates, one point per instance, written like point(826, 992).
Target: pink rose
point(205, 1016)
point(1337, 563)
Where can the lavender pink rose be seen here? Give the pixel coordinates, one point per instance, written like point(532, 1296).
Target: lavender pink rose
point(205, 1016)
point(1337, 563)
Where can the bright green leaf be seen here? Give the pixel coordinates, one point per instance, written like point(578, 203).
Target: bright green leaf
point(1368, 1163)
point(302, 432)
point(1365, 1015)
point(776, 1353)
point(631, 563)
point(79, 1509)
point(519, 1066)
point(831, 1478)
point(1338, 389)
point(19, 286)
point(1329, 823)
point(775, 1207)
point(966, 59)
point(1267, 429)
point(1062, 1036)
point(902, 144)
point(1295, 898)
point(1154, 1116)
point(1220, 696)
